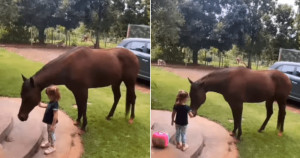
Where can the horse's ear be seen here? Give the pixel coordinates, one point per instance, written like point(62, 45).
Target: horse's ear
point(24, 78)
point(190, 81)
point(31, 82)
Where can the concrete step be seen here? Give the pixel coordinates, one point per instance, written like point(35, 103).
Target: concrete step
point(68, 142)
point(25, 137)
point(204, 137)
point(5, 125)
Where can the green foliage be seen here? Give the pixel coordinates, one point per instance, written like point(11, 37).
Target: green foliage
point(115, 138)
point(8, 12)
point(253, 144)
point(156, 53)
point(14, 34)
point(166, 20)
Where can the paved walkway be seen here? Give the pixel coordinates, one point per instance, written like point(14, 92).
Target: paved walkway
point(30, 133)
point(206, 138)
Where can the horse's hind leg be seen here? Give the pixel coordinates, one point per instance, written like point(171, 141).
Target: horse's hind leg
point(117, 96)
point(281, 116)
point(269, 107)
point(130, 99)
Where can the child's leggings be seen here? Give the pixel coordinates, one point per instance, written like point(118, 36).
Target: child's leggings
point(180, 133)
point(51, 134)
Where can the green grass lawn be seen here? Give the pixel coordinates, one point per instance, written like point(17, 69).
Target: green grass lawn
point(115, 138)
point(165, 85)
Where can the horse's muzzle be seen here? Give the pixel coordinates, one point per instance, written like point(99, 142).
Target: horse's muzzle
point(194, 112)
point(22, 117)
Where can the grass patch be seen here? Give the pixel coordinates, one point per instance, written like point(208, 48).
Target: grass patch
point(164, 88)
point(115, 138)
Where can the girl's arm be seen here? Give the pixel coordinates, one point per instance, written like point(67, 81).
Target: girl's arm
point(191, 114)
point(55, 118)
point(173, 116)
point(42, 105)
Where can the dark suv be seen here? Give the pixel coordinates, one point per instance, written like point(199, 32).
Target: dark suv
point(141, 48)
point(292, 70)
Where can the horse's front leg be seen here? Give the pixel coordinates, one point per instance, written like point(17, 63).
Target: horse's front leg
point(81, 96)
point(79, 115)
point(237, 109)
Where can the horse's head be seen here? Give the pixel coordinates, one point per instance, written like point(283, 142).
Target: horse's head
point(31, 96)
point(197, 95)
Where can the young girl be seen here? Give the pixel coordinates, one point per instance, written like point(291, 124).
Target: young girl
point(181, 110)
point(51, 117)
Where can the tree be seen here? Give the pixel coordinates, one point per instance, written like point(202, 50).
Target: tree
point(284, 20)
point(38, 13)
point(200, 19)
point(256, 9)
point(8, 12)
point(166, 21)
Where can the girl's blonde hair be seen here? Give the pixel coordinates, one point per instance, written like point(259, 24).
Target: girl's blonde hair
point(181, 96)
point(53, 93)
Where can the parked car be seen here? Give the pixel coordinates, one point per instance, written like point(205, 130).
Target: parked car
point(292, 70)
point(141, 48)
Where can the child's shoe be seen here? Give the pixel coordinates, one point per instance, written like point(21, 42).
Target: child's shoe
point(184, 147)
point(49, 150)
point(45, 145)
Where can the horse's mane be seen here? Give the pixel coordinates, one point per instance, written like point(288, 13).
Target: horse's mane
point(220, 73)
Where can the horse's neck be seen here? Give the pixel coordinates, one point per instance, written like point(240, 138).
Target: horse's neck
point(214, 84)
point(47, 76)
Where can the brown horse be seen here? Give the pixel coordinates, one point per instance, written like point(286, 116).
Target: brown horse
point(80, 69)
point(239, 85)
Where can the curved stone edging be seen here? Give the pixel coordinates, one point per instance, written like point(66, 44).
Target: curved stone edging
point(205, 138)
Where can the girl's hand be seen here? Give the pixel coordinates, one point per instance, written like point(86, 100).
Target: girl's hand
point(52, 128)
point(42, 105)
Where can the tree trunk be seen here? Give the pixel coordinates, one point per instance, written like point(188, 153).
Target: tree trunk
point(66, 34)
point(97, 46)
point(205, 62)
point(195, 57)
point(41, 35)
point(219, 59)
point(249, 60)
point(250, 54)
point(52, 36)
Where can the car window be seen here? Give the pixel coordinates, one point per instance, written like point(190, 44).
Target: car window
point(288, 69)
point(297, 71)
point(148, 48)
point(137, 46)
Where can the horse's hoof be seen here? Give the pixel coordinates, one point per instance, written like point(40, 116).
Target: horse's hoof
point(81, 132)
point(232, 134)
point(260, 131)
point(280, 134)
point(237, 140)
point(76, 123)
point(130, 121)
point(108, 117)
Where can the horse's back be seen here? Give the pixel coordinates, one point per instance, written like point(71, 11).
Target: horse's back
point(98, 68)
point(259, 85)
